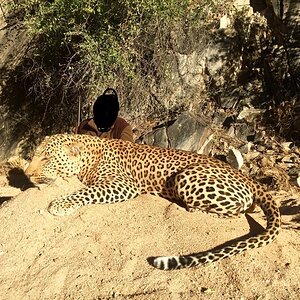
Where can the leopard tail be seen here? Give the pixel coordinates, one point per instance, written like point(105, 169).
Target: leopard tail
point(271, 211)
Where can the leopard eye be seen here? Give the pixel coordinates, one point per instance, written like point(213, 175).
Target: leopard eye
point(44, 159)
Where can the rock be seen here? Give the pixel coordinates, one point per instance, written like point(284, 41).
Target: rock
point(260, 136)
point(220, 116)
point(244, 132)
point(287, 146)
point(216, 57)
point(224, 22)
point(158, 137)
point(246, 148)
point(261, 148)
point(266, 162)
point(187, 133)
point(190, 69)
point(231, 131)
point(205, 143)
point(228, 101)
point(235, 158)
point(250, 114)
point(251, 155)
point(241, 4)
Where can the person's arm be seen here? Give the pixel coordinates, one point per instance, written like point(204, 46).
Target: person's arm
point(86, 128)
point(78, 130)
point(127, 134)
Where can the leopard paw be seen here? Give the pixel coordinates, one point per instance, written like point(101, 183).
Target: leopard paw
point(62, 207)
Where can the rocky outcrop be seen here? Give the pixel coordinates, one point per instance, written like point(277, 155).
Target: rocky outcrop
point(185, 133)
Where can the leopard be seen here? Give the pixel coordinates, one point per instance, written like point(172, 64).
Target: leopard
point(113, 170)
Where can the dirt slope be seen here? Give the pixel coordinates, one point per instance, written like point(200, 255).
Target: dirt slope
point(100, 252)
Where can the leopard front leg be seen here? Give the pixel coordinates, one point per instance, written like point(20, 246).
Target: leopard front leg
point(108, 191)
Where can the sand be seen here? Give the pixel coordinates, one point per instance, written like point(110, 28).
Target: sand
point(101, 251)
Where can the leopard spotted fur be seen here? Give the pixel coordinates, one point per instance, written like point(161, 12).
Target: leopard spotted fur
point(116, 170)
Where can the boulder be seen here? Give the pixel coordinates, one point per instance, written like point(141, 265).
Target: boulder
point(186, 133)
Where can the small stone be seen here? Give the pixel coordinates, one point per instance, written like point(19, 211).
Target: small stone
point(250, 114)
point(288, 159)
point(259, 136)
point(231, 131)
point(286, 146)
point(251, 155)
point(235, 158)
point(206, 290)
point(260, 148)
point(114, 294)
point(245, 132)
point(265, 162)
point(246, 148)
point(205, 143)
point(224, 22)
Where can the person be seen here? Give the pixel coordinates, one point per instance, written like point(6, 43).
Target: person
point(105, 122)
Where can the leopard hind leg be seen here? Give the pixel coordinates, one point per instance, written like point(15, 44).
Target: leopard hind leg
point(213, 190)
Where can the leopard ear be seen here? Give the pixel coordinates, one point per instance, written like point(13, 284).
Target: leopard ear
point(74, 149)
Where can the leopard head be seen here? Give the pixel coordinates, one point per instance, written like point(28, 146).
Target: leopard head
point(57, 156)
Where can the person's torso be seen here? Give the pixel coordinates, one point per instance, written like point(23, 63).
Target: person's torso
point(88, 126)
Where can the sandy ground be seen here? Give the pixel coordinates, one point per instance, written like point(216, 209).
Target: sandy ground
point(101, 251)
